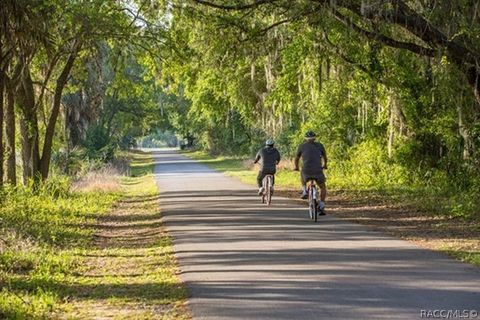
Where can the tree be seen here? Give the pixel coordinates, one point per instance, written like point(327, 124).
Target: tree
point(359, 72)
point(388, 15)
point(43, 63)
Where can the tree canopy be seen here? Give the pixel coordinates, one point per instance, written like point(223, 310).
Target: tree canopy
point(397, 80)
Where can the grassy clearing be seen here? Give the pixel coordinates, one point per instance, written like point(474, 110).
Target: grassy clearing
point(420, 214)
point(85, 255)
point(40, 231)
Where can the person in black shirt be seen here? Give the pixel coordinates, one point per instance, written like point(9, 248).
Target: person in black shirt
point(270, 158)
point(314, 161)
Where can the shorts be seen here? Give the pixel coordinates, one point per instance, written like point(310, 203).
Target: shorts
point(262, 174)
point(319, 177)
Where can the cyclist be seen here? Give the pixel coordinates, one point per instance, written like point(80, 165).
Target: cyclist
point(314, 161)
point(270, 158)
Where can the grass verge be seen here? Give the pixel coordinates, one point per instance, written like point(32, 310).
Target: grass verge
point(412, 214)
point(86, 255)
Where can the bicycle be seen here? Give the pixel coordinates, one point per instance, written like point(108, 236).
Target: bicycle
point(313, 202)
point(267, 193)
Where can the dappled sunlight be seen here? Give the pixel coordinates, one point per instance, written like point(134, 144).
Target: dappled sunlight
point(237, 254)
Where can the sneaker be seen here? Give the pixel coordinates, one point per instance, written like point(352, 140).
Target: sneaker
point(260, 191)
point(304, 195)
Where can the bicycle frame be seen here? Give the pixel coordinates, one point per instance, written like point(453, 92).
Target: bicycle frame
point(267, 184)
point(312, 199)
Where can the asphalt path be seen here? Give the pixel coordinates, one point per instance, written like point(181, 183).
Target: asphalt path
point(243, 260)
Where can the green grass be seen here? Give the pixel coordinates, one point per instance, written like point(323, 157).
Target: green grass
point(237, 167)
point(465, 256)
point(50, 267)
point(141, 164)
point(40, 228)
point(472, 257)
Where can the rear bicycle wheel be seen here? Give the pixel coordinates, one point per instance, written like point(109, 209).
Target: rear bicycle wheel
point(311, 203)
point(269, 191)
point(264, 186)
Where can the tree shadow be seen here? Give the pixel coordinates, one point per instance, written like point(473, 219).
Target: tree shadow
point(153, 291)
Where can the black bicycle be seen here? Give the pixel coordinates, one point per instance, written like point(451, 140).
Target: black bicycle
point(267, 193)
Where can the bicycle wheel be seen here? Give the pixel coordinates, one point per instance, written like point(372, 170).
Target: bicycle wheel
point(311, 203)
point(263, 193)
point(268, 190)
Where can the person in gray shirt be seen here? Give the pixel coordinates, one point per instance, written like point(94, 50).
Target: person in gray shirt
point(314, 161)
point(270, 158)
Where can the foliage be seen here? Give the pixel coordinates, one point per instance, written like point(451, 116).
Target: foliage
point(395, 109)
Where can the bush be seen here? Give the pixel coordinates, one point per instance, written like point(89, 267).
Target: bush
point(98, 145)
point(367, 166)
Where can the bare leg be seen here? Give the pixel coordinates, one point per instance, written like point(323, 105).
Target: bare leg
point(303, 181)
point(323, 191)
point(260, 177)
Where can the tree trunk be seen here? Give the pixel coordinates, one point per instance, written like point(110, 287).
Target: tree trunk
point(10, 135)
point(327, 69)
point(320, 75)
point(468, 143)
point(50, 131)
point(391, 134)
point(29, 129)
point(2, 87)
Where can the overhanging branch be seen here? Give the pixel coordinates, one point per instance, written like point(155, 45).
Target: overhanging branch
point(254, 4)
point(350, 61)
point(382, 38)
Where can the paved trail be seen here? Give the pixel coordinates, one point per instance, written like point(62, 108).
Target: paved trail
point(242, 260)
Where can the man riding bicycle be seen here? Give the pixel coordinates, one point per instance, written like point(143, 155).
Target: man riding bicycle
point(270, 158)
point(314, 161)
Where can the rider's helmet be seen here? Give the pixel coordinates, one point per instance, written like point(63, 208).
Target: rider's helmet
point(310, 135)
point(269, 143)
